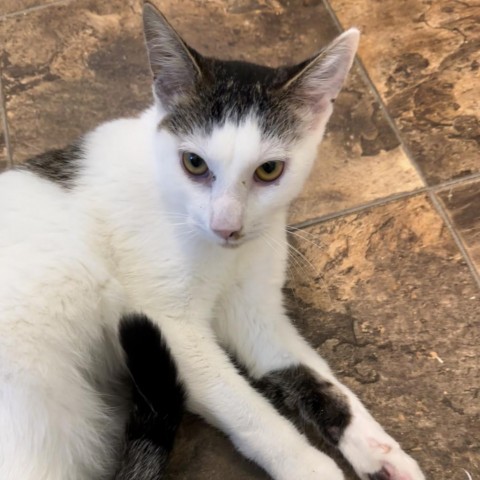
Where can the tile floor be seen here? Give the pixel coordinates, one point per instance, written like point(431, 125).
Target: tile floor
point(388, 291)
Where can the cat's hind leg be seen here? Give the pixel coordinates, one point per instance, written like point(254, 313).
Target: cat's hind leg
point(54, 433)
point(58, 420)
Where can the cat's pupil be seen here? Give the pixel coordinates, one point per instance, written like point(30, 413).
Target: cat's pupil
point(195, 160)
point(269, 167)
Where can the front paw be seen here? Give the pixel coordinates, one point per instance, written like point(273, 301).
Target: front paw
point(403, 467)
point(375, 455)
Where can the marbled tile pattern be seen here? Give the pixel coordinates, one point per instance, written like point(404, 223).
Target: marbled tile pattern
point(463, 204)
point(384, 294)
point(86, 64)
point(424, 58)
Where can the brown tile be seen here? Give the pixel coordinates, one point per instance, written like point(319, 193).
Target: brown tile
point(12, 6)
point(423, 58)
point(68, 68)
point(393, 307)
point(463, 205)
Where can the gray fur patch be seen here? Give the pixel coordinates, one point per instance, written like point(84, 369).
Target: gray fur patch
point(298, 391)
point(142, 460)
point(60, 166)
point(232, 91)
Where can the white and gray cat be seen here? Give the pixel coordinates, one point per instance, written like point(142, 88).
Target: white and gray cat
point(173, 220)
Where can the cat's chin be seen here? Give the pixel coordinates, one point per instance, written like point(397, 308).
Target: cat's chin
point(231, 246)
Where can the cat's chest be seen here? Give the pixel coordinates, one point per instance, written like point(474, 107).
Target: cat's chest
point(181, 284)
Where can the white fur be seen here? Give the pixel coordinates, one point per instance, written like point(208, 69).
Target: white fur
point(135, 234)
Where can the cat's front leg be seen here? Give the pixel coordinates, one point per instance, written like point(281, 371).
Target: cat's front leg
point(295, 378)
point(341, 419)
point(217, 392)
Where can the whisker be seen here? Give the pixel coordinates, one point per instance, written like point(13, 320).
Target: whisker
point(297, 264)
point(298, 235)
point(267, 239)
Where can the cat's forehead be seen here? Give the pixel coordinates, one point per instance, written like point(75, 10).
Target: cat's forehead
point(234, 92)
point(236, 144)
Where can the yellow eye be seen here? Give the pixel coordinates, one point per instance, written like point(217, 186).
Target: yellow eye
point(194, 164)
point(269, 171)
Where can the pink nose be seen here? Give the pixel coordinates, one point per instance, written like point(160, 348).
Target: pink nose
point(226, 234)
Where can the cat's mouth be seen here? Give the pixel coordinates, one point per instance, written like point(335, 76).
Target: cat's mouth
point(231, 244)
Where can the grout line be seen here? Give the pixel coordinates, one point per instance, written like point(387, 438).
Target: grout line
point(33, 9)
point(4, 120)
point(456, 236)
point(360, 208)
point(473, 177)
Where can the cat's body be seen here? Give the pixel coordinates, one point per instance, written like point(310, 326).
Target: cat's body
point(117, 225)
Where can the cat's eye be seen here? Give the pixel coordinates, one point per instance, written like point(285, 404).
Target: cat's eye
point(269, 171)
point(194, 164)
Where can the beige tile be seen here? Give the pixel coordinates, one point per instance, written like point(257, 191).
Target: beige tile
point(423, 58)
point(391, 304)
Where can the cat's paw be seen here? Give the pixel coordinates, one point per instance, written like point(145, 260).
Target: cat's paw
point(403, 472)
point(375, 455)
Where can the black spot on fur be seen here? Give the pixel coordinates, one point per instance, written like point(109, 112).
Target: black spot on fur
point(158, 400)
point(60, 166)
point(297, 390)
point(380, 475)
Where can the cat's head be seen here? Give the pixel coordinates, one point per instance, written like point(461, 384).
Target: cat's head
point(238, 140)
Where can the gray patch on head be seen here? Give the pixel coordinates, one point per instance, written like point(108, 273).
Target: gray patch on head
point(233, 91)
point(298, 391)
point(61, 166)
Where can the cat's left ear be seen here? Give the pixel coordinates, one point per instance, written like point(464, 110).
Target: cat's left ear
point(317, 82)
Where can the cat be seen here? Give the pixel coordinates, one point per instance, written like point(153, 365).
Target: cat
point(176, 217)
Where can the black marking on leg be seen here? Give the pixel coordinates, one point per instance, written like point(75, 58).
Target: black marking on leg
point(380, 475)
point(319, 402)
point(158, 400)
point(60, 166)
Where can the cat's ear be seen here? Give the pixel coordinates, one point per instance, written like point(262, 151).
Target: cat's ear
point(318, 81)
point(175, 70)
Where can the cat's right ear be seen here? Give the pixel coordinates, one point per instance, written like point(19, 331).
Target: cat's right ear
point(175, 70)
point(317, 82)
